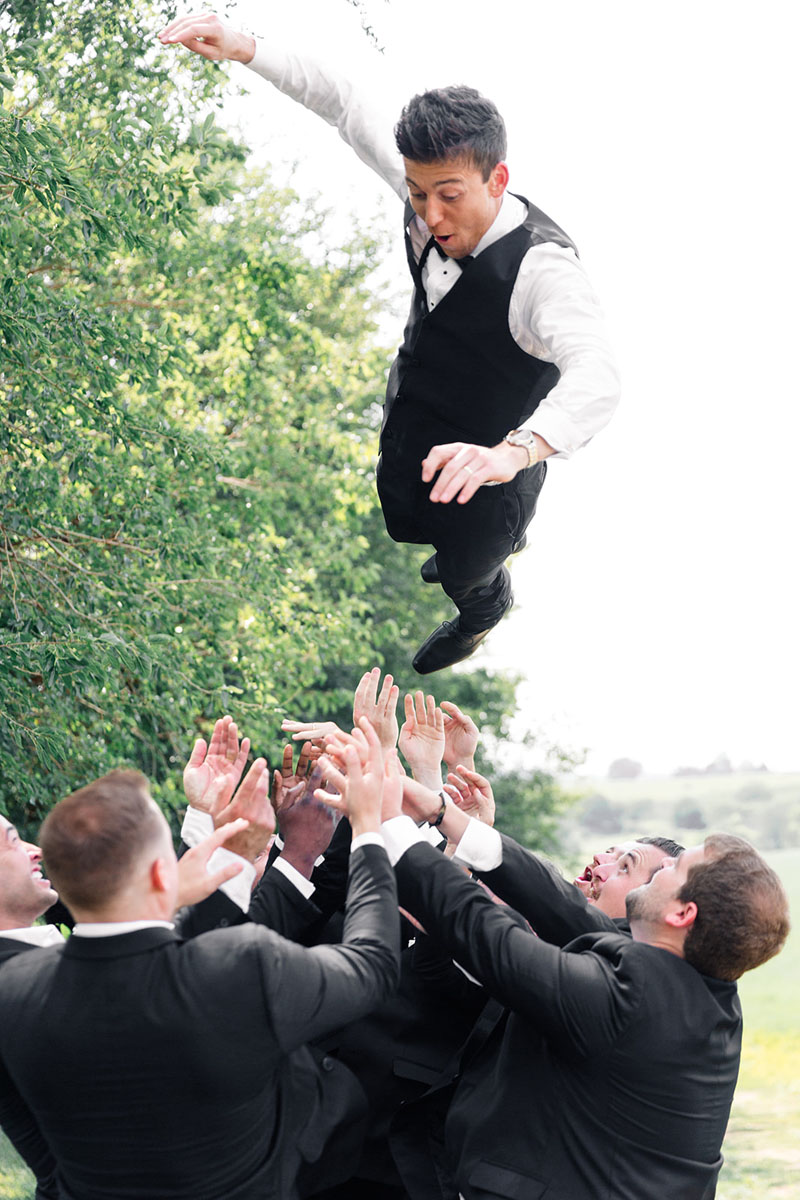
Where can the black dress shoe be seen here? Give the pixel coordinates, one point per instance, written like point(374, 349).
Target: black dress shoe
point(447, 645)
point(430, 570)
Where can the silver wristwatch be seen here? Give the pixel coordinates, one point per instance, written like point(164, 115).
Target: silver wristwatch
point(527, 439)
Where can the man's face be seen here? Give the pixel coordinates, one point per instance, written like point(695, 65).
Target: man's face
point(610, 875)
point(24, 893)
point(652, 900)
point(454, 200)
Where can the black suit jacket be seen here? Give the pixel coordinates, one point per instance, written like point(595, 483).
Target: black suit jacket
point(608, 1072)
point(556, 909)
point(276, 903)
point(154, 1067)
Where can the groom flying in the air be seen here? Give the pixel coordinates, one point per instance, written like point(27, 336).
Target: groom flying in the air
point(504, 360)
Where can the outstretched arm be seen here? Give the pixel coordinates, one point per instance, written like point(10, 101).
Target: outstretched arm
point(316, 85)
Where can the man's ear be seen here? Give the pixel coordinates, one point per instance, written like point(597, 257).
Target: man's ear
point(498, 180)
point(159, 875)
point(682, 914)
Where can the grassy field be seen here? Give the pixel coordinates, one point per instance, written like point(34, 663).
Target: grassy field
point(762, 1148)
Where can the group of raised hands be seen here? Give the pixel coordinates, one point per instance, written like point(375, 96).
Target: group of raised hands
point(429, 736)
point(358, 774)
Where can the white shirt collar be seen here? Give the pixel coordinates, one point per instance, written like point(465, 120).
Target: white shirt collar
point(96, 929)
point(36, 935)
point(512, 212)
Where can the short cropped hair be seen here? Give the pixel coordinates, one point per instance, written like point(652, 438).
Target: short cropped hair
point(673, 849)
point(91, 840)
point(742, 909)
point(452, 122)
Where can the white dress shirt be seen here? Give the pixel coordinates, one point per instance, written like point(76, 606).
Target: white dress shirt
point(553, 315)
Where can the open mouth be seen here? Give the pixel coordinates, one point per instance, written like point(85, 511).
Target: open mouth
point(587, 884)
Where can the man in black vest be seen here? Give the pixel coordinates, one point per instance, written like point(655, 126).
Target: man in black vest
point(498, 370)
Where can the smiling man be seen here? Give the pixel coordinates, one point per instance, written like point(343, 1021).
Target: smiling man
point(612, 873)
point(24, 895)
point(504, 361)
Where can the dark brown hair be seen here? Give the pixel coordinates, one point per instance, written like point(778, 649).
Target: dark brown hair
point(449, 123)
point(742, 910)
point(91, 840)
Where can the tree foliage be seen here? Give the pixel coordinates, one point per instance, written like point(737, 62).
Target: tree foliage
point(191, 395)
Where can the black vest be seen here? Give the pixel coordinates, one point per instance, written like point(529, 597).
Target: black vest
point(459, 367)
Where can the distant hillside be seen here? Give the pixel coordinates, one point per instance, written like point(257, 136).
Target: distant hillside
point(759, 805)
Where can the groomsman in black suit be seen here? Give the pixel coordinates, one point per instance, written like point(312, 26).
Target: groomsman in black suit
point(607, 1067)
point(149, 1067)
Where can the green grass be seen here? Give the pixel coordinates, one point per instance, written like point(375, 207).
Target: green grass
point(16, 1181)
point(762, 1148)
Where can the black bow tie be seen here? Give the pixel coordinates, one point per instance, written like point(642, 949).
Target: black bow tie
point(434, 245)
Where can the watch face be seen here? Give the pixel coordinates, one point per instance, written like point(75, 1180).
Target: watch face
point(520, 437)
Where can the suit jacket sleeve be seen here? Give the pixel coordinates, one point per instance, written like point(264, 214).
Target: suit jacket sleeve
point(556, 909)
point(313, 991)
point(22, 1131)
point(581, 998)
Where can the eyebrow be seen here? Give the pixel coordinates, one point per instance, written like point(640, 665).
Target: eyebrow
point(436, 182)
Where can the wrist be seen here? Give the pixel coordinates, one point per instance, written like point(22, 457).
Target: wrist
point(302, 862)
point(518, 456)
point(359, 825)
point(467, 762)
point(244, 49)
point(429, 777)
point(435, 820)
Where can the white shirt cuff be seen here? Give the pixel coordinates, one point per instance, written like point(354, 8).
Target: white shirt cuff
point(367, 839)
point(303, 885)
point(480, 847)
point(433, 836)
point(240, 887)
point(196, 826)
point(399, 835)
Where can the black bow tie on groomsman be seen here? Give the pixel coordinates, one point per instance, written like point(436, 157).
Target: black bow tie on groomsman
point(432, 244)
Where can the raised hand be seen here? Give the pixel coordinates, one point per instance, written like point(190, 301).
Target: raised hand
point(460, 737)
point(195, 882)
point(213, 771)
point(360, 783)
point(251, 802)
point(287, 777)
point(313, 731)
point(472, 793)
point(380, 710)
point(422, 739)
point(205, 34)
point(306, 824)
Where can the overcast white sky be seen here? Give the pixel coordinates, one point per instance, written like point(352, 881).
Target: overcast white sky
point(657, 603)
